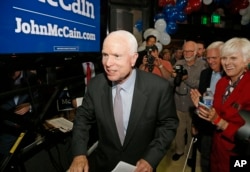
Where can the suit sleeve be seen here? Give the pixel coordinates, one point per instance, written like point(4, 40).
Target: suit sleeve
point(82, 123)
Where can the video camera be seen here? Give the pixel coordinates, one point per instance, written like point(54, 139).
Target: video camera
point(180, 72)
point(150, 58)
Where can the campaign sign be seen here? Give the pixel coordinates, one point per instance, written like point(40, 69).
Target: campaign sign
point(47, 26)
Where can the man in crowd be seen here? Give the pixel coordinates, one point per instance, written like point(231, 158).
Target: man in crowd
point(208, 79)
point(153, 63)
point(135, 124)
point(183, 101)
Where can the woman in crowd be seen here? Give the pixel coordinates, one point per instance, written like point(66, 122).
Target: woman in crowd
point(230, 97)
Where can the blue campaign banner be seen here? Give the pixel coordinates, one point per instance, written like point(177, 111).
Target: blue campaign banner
point(47, 26)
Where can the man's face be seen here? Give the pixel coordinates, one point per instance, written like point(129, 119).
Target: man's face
point(117, 59)
point(213, 59)
point(166, 56)
point(201, 50)
point(178, 54)
point(154, 53)
point(151, 41)
point(189, 52)
point(16, 74)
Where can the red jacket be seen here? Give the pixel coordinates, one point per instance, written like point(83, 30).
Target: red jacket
point(223, 141)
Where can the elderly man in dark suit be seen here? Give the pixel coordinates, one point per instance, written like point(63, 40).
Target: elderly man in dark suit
point(149, 121)
point(208, 79)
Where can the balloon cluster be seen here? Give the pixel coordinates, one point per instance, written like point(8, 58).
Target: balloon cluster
point(176, 11)
point(161, 38)
point(238, 6)
point(172, 13)
point(243, 7)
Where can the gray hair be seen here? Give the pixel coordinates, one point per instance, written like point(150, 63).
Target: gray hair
point(236, 45)
point(216, 44)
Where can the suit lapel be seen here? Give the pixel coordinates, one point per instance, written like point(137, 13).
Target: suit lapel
point(108, 114)
point(138, 104)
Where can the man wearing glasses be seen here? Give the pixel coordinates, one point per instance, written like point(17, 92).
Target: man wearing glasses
point(184, 104)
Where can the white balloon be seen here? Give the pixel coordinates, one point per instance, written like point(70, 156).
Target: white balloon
point(159, 46)
point(147, 32)
point(243, 11)
point(165, 39)
point(244, 22)
point(246, 17)
point(160, 25)
point(153, 32)
point(207, 2)
point(141, 48)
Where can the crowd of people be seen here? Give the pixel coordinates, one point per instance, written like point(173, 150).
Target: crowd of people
point(188, 72)
point(225, 63)
point(144, 102)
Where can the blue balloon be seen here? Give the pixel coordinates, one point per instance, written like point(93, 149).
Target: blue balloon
point(171, 27)
point(159, 16)
point(181, 4)
point(172, 15)
point(181, 17)
point(167, 9)
point(139, 25)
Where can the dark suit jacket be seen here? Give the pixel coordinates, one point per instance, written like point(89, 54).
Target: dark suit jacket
point(202, 125)
point(151, 129)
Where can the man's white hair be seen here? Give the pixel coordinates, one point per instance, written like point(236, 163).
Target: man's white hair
point(125, 35)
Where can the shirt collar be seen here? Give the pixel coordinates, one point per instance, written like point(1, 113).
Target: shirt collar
point(128, 85)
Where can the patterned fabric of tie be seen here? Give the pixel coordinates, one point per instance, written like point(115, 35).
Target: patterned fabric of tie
point(88, 73)
point(118, 113)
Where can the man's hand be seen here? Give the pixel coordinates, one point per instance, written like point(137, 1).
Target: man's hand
point(22, 109)
point(79, 164)
point(143, 166)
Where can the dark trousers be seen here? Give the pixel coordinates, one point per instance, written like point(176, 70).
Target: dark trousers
point(205, 151)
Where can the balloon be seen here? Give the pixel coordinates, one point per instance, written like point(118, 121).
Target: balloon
point(172, 15)
point(153, 32)
point(195, 4)
point(207, 2)
point(236, 5)
point(243, 11)
point(171, 2)
point(171, 27)
point(181, 17)
point(159, 16)
point(165, 38)
point(167, 9)
point(147, 32)
point(181, 4)
point(159, 46)
point(141, 48)
point(162, 3)
point(138, 25)
point(244, 22)
point(160, 25)
point(246, 17)
point(188, 9)
point(243, 4)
